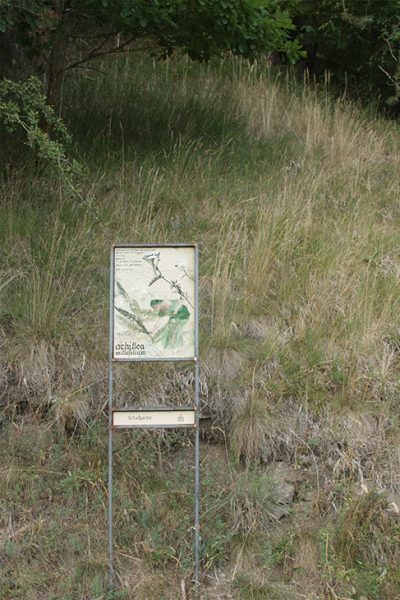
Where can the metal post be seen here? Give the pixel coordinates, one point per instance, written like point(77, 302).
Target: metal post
point(196, 405)
point(110, 431)
point(197, 430)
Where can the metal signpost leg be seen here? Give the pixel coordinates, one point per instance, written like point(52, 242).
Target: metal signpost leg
point(197, 485)
point(110, 431)
point(110, 485)
point(197, 431)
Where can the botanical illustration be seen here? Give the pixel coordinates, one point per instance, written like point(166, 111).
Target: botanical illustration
point(154, 303)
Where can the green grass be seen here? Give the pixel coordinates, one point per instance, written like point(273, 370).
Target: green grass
point(294, 199)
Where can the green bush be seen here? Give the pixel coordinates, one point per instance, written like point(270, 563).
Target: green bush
point(358, 41)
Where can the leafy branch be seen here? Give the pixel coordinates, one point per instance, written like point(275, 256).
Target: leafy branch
point(23, 109)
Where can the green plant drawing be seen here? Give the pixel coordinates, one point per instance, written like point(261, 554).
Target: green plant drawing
point(170, 334)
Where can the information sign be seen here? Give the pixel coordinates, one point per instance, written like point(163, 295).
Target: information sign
point(154, 303)
point(154, 418)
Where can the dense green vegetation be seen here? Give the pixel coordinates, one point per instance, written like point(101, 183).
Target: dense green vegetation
point(294, 200)
point(358, 41)
point(53, 37)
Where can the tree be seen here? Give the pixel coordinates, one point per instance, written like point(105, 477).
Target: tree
point(357, 40)
point(50, 37)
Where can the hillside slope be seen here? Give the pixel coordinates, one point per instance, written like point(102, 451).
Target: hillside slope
point(294, 199)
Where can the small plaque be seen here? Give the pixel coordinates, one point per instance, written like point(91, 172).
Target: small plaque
point(149, 419)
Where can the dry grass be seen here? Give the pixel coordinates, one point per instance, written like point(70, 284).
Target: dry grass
point(251, 430)
point(294, 199)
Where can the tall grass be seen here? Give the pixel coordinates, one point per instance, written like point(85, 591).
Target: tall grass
point(294, 200)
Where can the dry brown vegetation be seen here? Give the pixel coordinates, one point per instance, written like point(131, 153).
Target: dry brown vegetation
point(294, 199)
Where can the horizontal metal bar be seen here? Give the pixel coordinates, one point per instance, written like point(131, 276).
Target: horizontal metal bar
point(184, 426)
point(156, 359)
point(156, 409)
point(184, 245)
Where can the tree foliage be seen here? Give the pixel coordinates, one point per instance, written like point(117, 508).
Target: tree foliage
point(46, 38)
point(23, 111)
point(357, 40)
point(58, 35)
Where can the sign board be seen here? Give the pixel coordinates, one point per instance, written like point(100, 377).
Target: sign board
point(153, 302)
point(155, 418)
point(154, 316)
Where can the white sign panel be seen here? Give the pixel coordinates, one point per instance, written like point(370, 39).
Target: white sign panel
point(154, 297)
point(153, 418)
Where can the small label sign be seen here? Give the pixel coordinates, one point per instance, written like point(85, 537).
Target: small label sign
point(148, 419)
